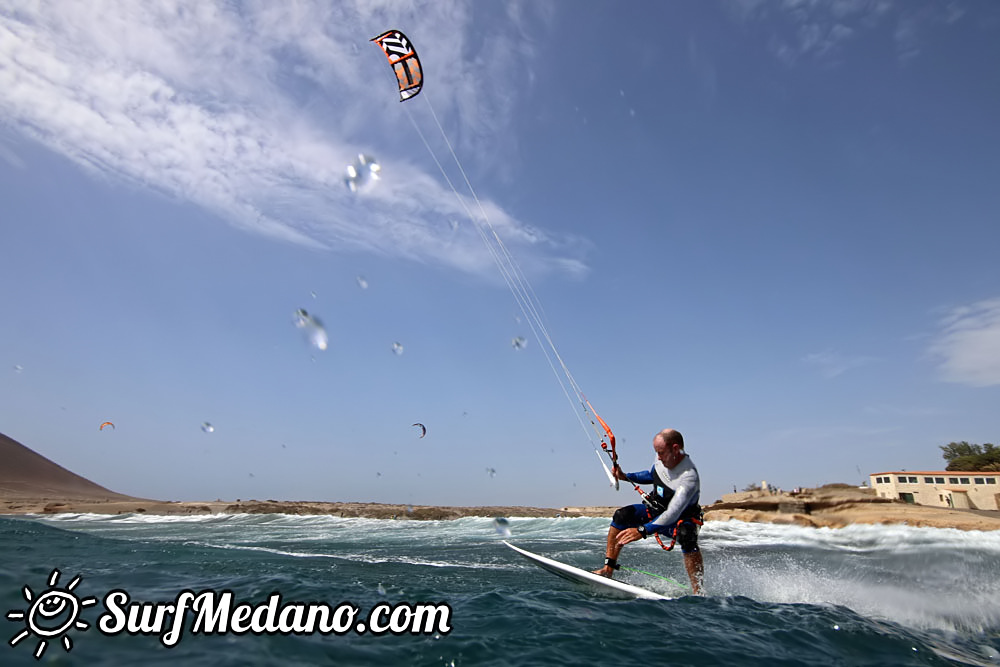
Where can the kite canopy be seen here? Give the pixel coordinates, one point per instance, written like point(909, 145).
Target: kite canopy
point(423, 429)
point(405, 63)
point(106, 424)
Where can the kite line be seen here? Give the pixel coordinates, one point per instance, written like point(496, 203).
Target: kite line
point(403, 58)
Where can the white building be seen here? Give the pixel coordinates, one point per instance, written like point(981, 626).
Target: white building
point(941, 488)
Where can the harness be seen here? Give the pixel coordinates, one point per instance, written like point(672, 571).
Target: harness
point(658, 502)
point(697, 520)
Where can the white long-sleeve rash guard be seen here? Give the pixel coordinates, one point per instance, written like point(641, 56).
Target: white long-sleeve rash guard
point(680, 484)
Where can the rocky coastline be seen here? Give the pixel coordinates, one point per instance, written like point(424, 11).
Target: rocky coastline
point(834, 506)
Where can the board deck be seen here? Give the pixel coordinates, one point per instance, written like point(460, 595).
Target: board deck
point(593, 581)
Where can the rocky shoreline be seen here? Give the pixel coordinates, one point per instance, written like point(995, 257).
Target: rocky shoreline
point(838, 505)
point(827, 507)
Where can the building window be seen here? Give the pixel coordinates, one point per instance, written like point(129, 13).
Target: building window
point(991, 480)
point(901, 480)
point(928, 480)
point(953, 480)
point(978, 480)
point(913, 480)
point(939, 480)
point(964, 480)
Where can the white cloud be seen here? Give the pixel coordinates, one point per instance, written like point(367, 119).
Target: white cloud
point(831, 364)
point(807, 28)
point(254, 110)
point(819, 30)
point(968, 344)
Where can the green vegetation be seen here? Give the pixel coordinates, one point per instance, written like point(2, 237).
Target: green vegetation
point(971, 457)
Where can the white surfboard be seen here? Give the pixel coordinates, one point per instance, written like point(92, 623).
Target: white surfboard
point(595, 582)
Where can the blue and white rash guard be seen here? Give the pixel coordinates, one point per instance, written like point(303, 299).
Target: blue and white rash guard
point(675, 490)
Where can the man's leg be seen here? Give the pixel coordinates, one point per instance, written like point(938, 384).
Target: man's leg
point(695, 569)
point(611, 552)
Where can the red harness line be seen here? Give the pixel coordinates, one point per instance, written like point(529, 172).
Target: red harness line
point(697, 522)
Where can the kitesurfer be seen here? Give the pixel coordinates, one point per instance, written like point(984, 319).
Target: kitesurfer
point(671, 509)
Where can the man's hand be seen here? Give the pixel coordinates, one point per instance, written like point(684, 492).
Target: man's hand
point(628, 535)
point(619, 473)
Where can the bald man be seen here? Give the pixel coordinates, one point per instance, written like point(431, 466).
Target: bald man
point(671, 509)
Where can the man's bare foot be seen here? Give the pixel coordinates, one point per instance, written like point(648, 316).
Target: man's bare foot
point(605, 571)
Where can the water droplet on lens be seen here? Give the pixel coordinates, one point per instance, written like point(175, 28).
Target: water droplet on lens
point(397, 349)
point(362, 283)
point(502, 526)
point(362, 173)
point(207, 428)
point(519, 343)
point(311, 328)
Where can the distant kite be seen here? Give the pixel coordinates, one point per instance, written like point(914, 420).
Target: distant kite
point(107, 424)
point(423, 429)
point(405, 63)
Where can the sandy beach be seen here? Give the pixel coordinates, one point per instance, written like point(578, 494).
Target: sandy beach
point(32, 484)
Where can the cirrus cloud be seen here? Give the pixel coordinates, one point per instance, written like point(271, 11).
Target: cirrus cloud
point(968, 344)
point(253, 110)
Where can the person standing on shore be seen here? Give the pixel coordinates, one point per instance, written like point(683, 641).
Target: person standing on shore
point(671, 509)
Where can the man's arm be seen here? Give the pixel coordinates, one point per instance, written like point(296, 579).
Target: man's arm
point(641, 477)
point(683, 494)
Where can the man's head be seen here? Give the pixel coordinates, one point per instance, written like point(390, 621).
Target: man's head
point(669, 447)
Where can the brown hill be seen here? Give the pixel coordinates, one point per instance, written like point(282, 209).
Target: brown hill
point(27, 474)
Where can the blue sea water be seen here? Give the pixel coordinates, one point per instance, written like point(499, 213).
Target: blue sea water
point(775, 595)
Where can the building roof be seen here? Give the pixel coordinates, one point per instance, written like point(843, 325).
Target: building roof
point(977, 473)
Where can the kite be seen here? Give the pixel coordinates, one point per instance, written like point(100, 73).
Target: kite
point(423, 429)
point(106, 424)
point(405, 63)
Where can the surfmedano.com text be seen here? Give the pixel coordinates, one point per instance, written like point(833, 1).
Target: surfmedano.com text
point(215, 613)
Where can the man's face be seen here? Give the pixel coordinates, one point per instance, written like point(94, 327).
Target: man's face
point(664, 452)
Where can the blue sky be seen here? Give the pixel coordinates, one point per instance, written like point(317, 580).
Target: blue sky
point(770, 225)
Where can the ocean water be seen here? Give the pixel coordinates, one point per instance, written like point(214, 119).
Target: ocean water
point(775, 595)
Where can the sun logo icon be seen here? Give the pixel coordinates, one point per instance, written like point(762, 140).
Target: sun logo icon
point(51, 615)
